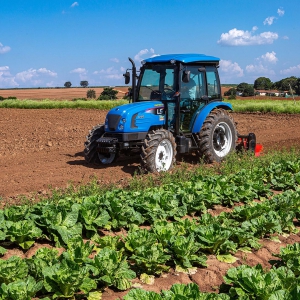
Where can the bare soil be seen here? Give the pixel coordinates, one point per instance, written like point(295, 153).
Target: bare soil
point(43, 149)
point(57, 93)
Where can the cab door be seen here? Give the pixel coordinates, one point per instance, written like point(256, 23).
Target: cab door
point(191, 97)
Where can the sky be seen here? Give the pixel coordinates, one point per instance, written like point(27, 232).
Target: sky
point(46, 43)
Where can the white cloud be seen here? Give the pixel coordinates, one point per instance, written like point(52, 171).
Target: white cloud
point(270, 57)
point(269, 20)
point(280, 12)
point(259, 70)
point(4, 49)
point(294, 71)
point(82, 72)
point(110, 73)
point(116, 60)
point(254, 28)
point(47, 72)
point(6, 79)
point(285, 37)
point(33, 75)
point(79, 71)
point(4, 69)
point(138, 57)
point(237, 37)
point(75, 4)
point(227, 66)
point(29, 77)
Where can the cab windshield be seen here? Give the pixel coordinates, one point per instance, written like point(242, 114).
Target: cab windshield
point(157, 83)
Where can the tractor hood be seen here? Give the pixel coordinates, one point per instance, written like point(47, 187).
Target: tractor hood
point(135, 117)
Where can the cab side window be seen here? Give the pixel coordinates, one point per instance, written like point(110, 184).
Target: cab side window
point(213, 87)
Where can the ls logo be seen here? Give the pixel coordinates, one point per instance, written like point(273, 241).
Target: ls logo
point(160, 111)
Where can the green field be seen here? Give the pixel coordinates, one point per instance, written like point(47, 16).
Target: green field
point(277, 106)
point(268, 196)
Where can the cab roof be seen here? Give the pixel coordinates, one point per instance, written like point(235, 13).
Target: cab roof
point(184, 58)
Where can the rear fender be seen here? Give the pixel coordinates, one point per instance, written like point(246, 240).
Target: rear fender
point(205, 111)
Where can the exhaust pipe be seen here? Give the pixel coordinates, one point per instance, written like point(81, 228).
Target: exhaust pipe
point(133, 80)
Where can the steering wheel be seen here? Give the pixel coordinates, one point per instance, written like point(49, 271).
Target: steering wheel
point(169, 91)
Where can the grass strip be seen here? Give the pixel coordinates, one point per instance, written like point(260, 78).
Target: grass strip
point(252, 105)
point(275, 106)
point(52, 104)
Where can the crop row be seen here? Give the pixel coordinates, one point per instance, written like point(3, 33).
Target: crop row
point(51, 276)
point(116, 209)
point(182, 244)
point(282, 282)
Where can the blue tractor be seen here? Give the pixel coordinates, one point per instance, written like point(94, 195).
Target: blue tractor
point(176, 108)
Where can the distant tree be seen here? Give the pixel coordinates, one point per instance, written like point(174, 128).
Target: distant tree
point(108, 93)
point(231, 91)
point(91, 94)
point(297, 86)
point(84, 83)
point(284, 84)
point(242, 86)
point(262, 83)
point(248, 91)
point(68, 84)
point(128, 95)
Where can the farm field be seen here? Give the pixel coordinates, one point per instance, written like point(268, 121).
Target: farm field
point(56, 93)
point(42, 149)
point(62, 93)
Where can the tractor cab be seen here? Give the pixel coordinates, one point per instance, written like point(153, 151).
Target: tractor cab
point(184, 86)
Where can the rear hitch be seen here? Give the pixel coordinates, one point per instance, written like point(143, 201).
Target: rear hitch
point(248, 143)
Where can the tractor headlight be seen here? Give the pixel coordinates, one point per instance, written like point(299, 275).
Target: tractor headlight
point(123, 120)
point(121, 127)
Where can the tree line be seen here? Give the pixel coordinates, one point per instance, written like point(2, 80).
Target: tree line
point(289, 85)
point(83, 83)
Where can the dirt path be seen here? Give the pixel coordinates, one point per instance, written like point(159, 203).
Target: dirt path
point(42, 149)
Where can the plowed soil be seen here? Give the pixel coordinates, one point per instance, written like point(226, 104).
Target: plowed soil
point(43, 149)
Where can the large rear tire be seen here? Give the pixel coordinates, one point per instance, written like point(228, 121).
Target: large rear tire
point(158, 151)
point(90, 147)
point(218, 136)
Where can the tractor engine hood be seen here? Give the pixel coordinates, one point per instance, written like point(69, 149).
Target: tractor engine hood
point(135, 117)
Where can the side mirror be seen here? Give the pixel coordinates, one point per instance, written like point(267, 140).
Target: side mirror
point(127, 77)
point(186, 76)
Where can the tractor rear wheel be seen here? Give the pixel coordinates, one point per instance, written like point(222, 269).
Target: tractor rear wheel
point(158, 151)
point(218, 136)
point(90, 147)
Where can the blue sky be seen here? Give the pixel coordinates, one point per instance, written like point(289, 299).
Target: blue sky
point(46, 43)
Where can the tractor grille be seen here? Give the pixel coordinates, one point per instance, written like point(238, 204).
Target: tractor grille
point(113, 121)
point(107, 145)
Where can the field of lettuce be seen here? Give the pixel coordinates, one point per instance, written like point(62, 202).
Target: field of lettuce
point(122, 240)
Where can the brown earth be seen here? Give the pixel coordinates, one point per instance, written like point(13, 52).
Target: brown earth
point(42, 149)
point(56, 93)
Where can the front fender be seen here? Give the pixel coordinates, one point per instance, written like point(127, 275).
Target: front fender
point(205, 111)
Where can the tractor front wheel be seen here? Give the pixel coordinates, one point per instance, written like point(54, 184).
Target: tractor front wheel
point(90, 147)
point(218, 136)
point(158, 151)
